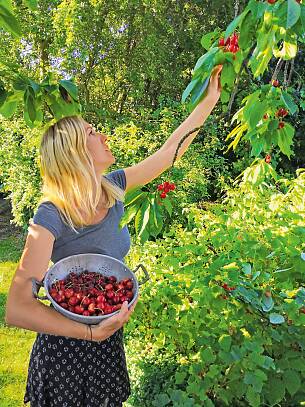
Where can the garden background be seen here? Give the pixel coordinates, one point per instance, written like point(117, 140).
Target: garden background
point(221, 323)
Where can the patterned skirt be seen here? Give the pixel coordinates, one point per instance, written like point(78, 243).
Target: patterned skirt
point(68, 372)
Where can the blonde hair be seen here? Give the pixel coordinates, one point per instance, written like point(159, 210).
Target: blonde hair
point(67, 170)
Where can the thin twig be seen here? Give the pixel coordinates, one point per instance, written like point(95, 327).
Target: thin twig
point(291, 72)
point(277, 69)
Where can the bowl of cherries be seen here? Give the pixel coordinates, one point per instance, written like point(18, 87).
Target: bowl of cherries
point(89, 287)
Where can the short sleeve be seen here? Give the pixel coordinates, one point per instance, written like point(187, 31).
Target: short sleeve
point(47, 215)
point(118, 177)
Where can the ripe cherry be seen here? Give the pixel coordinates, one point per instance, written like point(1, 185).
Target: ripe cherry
point(276, 83)
point(163, 195)
point(268, 158)
point(221, 42)
point(79, 309)
point(281, 125)
point(265, 117)
point(160, 187)
point(272, 1)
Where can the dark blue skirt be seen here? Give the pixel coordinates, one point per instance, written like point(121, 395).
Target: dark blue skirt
point(68, 372)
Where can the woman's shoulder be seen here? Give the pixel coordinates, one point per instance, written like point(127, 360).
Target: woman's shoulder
point(118, 177)
point(48, 215)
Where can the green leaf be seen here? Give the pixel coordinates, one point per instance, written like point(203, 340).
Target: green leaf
point(207, 355)
point(285, 137)
point(142, 217)
point(10, 105)
point(276, 319)
point(180, 377)
point(199, 92)
point(189, 89)
point(288, 51)
point(206, 60)
point(161, 400)
point(71, 88)
point(257, 112)
point(235, 23)
point(129, 214)
point(247, 31)
point(207, 39)
point(31, 4)
point(225, 342)
point(132, 196)
point(275, 390)
point(8, 20)
point(293, 14)
point(289, 103)
point(168, 205)
point(253, 397)
point(292, 381)
point(268, 303)
point(227, 75)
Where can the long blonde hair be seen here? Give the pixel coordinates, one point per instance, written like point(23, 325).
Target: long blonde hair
point(67, 170)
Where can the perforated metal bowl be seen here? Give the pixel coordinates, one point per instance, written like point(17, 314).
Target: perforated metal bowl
point(105, 265)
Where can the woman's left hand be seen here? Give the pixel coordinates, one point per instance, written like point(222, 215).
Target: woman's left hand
point(214, 88)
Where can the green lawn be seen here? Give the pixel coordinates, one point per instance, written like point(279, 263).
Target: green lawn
point(15, 344)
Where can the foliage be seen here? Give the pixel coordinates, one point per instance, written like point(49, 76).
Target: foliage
point(227, 300)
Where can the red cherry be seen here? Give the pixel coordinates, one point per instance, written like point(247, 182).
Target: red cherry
point(91, 308)
point(110, 294)
point(85, 301)
point(268, 158)
point(281, 125)
point(108, 287)
point(86, 313)
point(221, 42)
point(160, 187)
point(272, 1)
point(69, 292)
point(71, 309)
point(265, 117)
point(64, 305)
point(163, 195)
point(129, 295)
point(129, 285)
point(276, 83)
point(79, 309)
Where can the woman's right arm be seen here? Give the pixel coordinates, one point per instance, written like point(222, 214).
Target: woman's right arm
point(24, 311)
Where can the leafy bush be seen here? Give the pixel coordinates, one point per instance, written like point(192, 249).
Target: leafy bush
point(227, 299)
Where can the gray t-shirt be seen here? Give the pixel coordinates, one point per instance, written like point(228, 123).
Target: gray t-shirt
point(104, 237)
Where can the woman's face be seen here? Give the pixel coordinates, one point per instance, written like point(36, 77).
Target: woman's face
point(98, 148)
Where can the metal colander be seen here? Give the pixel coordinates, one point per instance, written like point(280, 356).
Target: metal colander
point(105, 265)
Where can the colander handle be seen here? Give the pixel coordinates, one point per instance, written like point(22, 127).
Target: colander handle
point(146, 278)
point(35, 288)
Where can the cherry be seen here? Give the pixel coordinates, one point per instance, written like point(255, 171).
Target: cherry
point(281, 125)
point(129, 294)
point(160, 187)
point(79, 309)
point(109, 287)
point(129, 285)
point(73, 301)
point(265, 117)
point(272, 1)
point(112, 279)
point(69, 293)
point(91, 308)
point(163, 195)
point(268, 158)
point(64, 305)
point(86, 313)
point(86, 301)
point(276, 83)
point(221, 42)
point(110, 294)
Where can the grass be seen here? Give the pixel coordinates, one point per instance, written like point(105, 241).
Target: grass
point(15, 343)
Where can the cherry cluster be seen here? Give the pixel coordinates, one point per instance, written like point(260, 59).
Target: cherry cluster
point(91, 293)
point(227, 288)
point(165, 188)
point(281, 112)
point(231, 44)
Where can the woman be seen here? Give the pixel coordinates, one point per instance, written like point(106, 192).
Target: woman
point(80, 212)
